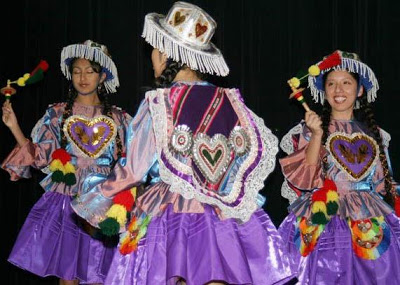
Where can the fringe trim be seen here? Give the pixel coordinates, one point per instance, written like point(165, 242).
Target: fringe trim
point(353, 66)
point(93, 54)
point(203, 61)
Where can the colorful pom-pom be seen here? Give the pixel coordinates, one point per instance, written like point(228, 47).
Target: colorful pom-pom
point(314, 70)
point(62, 155)
point(332, 196)
point(21, 81)
point(319, 195)
point(109, 227)
point(332, 208)
point(125, 198)
point(69, 168)
point(56, 165)
point(117, 212)
point(57, 176)
point(329, 185)
point(294, 82)
point(318, 206)
point(69, 179)
point(319, 218)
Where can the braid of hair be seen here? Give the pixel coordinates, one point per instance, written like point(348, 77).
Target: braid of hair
point(326, 119)
point(168, 75)
point(107, 109)
point(72, 94)
point(369, 119)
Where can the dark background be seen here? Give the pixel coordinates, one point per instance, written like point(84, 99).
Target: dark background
point(264, 43)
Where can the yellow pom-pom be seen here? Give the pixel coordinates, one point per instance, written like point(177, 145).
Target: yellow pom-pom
point(55, 165)
point(117, 212)
point(314, 70)
point(69, 168)
point(26, 76)
point(21, 81)
point(332, 196)
point(318, 206)
point(294, 82)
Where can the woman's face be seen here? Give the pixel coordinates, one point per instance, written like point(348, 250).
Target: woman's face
point(84, 78)
point(341, 93)
point(159, 62)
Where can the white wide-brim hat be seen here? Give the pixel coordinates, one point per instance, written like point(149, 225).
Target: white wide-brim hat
point(94, 52)
point(184, 35)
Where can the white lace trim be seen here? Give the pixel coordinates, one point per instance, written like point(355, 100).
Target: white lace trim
point(288, 192)
point(287, 140)
point(254, 181)
point(385, 137)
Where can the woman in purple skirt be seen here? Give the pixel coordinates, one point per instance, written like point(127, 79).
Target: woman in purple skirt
point(342, 229)
point(206, 156)
point(76, 140)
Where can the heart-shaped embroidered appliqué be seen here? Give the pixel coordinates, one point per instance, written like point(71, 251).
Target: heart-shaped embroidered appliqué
point(90, 136)
point(355, 154)
point(211, 156)
point(178, 18)
point(200, 29)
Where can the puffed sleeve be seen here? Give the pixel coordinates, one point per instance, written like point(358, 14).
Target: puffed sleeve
point(297, 171)
point(36, 152)
point(140, 157)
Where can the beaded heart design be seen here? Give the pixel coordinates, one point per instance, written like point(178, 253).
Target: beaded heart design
point(211, 155)
point(355, 154)
point(90, 136)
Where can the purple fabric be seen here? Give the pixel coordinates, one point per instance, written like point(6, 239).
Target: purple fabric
point(202, 248)
point(333, 260)
point(89, 131)
point(196, 104)
point(51, 243)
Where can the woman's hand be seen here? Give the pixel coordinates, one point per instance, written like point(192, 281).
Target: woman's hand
point(8, 116)
point(314, 123)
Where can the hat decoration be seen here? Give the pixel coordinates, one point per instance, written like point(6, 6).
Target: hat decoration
point(94, 52)
point(185, 36)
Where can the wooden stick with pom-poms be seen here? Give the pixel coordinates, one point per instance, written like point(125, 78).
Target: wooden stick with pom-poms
point(27, 79)
point(117, 215)
point(330, 61)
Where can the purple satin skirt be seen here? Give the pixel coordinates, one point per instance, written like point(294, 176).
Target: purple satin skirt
point(201, 248)
point(53, 242)
point(333, 260)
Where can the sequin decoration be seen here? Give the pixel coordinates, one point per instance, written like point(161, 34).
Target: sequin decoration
point(181, 140)
point(211, 156)
point(239, 141)
point(90, 136)
point(306, 235)
point(354, 154)
point(370, 237)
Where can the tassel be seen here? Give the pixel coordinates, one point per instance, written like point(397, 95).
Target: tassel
point(332, 60)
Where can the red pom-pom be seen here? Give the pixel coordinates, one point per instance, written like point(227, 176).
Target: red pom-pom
point(62, 155)
point(319, 195)
point(329, 185)
point(125, 199)
point(331, 61)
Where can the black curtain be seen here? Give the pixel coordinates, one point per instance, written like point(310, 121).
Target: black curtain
point(264, 43)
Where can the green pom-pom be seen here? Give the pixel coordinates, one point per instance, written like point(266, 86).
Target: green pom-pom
point(109, 227)
point(70, 179)
point(319, 218)
point(57, 176)
point(332, 208)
